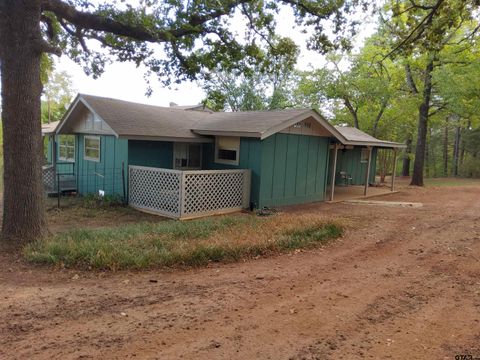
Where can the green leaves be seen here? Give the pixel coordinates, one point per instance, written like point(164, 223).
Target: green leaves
point(197, 37)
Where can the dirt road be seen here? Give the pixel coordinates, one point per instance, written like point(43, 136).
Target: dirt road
point(401, 284)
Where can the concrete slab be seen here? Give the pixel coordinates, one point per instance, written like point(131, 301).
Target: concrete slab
point(385, 203)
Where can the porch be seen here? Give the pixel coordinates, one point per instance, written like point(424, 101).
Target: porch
point(356, 179)
point(343, 193)
point(188, 194)
point(59, 177)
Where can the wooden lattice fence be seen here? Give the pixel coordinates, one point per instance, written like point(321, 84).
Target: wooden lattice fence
point(188, 194)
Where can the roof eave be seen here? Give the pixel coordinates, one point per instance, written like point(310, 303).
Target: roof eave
point(199, 139)
point(228, 133)
point(381, 144)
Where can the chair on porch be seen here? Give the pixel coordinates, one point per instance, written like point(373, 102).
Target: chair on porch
point(346, 178)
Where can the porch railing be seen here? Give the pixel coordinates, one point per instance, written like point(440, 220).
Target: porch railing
point(188, 194)
point(60, 176)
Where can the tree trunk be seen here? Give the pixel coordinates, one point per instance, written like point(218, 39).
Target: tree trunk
point(462, 147)
point(406, 157)
point(433, 158)
point(445, 149)
point(353, 112)
point(456, 151)
point(23, 206)
point(418, 166)
point(379, 117)
point(427, 156)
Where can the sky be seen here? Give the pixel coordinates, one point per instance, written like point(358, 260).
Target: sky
point(125, 81)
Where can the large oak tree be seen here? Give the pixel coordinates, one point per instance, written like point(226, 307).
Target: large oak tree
point(195, 36)
point(424, 28)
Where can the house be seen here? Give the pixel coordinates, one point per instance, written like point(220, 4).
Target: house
point(190, 161)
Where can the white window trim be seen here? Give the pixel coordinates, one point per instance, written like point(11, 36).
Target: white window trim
point(74, 149)
point(224, 161)
point(364, 161)
point(175, 145)
point(89, 158)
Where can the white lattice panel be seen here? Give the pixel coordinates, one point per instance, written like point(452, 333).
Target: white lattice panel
point(212, 191)
point(155, 189)
point(181, 194)
point(49, 178)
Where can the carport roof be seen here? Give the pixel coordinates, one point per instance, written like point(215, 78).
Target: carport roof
point(354, 136)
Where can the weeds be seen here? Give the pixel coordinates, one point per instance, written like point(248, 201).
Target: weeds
point(175, 243)
point(96, 201)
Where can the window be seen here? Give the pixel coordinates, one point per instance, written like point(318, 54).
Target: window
point(91, 148)
point(66, 147)
point(227, 150)
point(364, 155)
point(89, 121)
point(187, 156)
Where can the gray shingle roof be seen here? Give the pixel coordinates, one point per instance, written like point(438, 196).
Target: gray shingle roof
point(257, 122)
point(354, 135)
point(129, 119)
point(133, 119)
point(50, 127)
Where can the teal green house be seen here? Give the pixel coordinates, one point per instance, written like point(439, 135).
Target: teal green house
point(190, 161)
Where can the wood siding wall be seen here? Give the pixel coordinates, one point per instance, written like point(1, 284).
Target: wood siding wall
point(150, 153)
point(294, 169)
point(350, 162)
point(250, 158)
point(106, 174)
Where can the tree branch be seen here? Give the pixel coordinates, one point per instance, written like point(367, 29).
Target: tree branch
point(195, 25)
point(410, 38)
point(410, 80)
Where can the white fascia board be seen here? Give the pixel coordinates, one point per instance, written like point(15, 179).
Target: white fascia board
point(166, 138)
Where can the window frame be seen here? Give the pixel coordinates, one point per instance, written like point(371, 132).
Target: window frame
point(364, 159)
point(219, 160)
point(90, 158)
point(176, 149)
point(60, 145)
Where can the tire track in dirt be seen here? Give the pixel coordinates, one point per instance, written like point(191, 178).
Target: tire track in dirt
point(395, 277)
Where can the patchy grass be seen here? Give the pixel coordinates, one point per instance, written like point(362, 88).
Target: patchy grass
point(80, 212)
point(189, 243)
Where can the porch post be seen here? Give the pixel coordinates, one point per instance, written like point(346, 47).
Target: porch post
point(54, 149)
point(392, 187)
point(367, 177)
point(335, 153)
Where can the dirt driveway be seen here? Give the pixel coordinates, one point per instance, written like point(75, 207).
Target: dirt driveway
point(401, 284)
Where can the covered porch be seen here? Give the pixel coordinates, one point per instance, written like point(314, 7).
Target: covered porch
point(345, 186)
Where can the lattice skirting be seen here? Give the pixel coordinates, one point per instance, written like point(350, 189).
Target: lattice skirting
point(182, 194)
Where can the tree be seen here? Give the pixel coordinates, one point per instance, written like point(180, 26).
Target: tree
point(57, 95)
point(196, 36)
point(424, 28)
point(367, 94)
point(265, 86)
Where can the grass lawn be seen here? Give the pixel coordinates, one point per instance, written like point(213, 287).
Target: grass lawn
point(182, 243)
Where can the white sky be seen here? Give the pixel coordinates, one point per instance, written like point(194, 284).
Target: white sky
point(125, 81)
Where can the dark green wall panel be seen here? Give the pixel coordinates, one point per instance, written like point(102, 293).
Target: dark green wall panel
point(291, 166)
point(151, 153)
point(293, 169)
point(350, 162)
point(250, 158)
point(105, 174)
